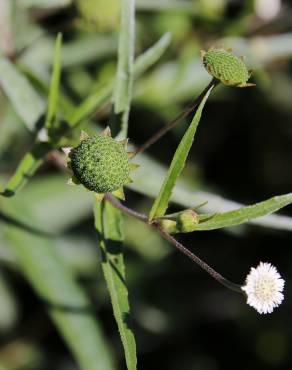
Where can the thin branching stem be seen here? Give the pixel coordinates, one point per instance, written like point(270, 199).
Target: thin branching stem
point(187, 110)
point(116, 203)
point(197, 260)
point(156, 226)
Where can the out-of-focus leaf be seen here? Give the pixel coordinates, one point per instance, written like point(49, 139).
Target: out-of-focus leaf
point(26, 169)
point(80, 51)
point(97, 99)
point(88, 49)
point(23, 97)
point(174, 5)
point(55, 84)
point(10, 129)
point(81, 261)
point(25, 32)
point(55, 205)
point(27, 353)
point(161, 202)
point(145, 241)
point(8, 307)
point(151, 55)
point(109, 224)
point(45, 4)
point(99, 15)
point(261, 50)
point(6, 42)
point(66, 302)
point(91, 103)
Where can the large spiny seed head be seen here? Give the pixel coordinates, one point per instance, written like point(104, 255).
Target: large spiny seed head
point(101, 164)
point(226, 67)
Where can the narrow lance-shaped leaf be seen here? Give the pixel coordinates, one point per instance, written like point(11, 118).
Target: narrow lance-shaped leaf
point(125, 69)
point(24, 99)
point(161, 202)
point(55, 84)
point(147, 179)
point(109, 224)
point(109, 221)
point(244, 214)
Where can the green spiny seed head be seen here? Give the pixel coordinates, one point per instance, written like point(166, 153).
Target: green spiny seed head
point(100, 163)
point(226, 67)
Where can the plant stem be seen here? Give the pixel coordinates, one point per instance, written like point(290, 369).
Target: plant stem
point(228, 284)
point(188, 109)
point(128, 211)
point(155, 225)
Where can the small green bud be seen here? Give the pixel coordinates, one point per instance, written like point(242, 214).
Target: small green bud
point(180, 222)
point(226, 67)
point(100, 163)
point(169, 226)
point(187, 221)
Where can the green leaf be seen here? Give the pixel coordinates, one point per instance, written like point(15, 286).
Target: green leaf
point(150, 174)
point(96, 100)
point(45, 4)
point(26, 169)
point(56, 206)
point(33, 159)
point(125, 69)
point(67, 304)
point(151, 55)
point(166, 5)
point(22, 95)
point(55, 84)
point(161, 202)
point(244, 214)
point(91, 104)
point(109, 224)
point(109, 220)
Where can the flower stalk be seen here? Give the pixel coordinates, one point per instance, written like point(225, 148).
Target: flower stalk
point(156, 225)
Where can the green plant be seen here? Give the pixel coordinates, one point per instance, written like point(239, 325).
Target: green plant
point(101, 164)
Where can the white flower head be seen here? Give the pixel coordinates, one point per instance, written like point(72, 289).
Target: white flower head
point(264, 287)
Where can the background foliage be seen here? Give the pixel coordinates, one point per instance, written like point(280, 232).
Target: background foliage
point(181, 318)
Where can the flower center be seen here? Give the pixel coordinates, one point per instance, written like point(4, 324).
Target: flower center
point(265, 289)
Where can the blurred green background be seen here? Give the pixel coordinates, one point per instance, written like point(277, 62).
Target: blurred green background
point(182, 319)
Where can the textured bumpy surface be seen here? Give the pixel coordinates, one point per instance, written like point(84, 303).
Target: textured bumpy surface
point(226, 67)
point(101, 164)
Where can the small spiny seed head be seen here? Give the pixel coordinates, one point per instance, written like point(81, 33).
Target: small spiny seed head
point(226, 67)
point(100, 163)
